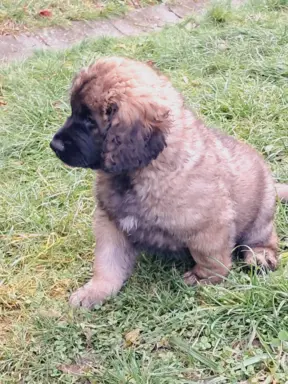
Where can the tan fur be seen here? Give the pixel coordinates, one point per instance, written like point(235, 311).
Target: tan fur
point(206, 191)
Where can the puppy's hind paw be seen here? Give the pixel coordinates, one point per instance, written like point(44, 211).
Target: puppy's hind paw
point(263, 257)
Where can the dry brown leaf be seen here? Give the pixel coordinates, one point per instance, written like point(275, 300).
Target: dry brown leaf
point(45, 13)
point(132, 337)
point(150, 63)
point(59, 289)
point(51, 313)
point(162, 344)
point(73, 369)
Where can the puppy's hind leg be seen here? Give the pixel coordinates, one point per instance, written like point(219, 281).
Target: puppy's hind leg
point(113, 264)
point(261, 248)
point(211, 251)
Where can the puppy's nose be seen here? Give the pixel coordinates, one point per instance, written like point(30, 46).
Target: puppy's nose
point(57, 145)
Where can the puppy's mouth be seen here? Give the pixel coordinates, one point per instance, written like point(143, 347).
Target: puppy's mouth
point(72, 158)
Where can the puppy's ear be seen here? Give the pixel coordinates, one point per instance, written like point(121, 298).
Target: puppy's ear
point(131, 146)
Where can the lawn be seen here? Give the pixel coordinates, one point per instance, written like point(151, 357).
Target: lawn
point(23, 15)
point(232, 68)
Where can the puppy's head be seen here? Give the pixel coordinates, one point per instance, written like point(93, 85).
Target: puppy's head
point(119, 120)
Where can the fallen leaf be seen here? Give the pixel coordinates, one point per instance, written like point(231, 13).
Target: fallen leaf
point(150, 63)
point(131, 337)
point(162, 344)
point(45, 13)
point(58, 105)
point(49, 314)
point(73, 369)
point(2, 102)
point(59, 289)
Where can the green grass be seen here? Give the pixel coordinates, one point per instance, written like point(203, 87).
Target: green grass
point(22, 15)
point(234, 74)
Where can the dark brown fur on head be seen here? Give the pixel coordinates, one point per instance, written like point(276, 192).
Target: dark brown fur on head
point(116, 123)
point(165, 181)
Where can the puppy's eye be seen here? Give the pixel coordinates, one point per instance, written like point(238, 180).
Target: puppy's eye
point(90, 119)
point(85, 114)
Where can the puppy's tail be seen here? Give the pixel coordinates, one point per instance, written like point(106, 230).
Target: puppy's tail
point(282, 191)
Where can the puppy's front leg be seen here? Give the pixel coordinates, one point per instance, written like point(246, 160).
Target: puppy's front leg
point(113, 264)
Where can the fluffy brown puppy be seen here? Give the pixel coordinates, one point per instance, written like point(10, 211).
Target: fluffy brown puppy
point(164, 180)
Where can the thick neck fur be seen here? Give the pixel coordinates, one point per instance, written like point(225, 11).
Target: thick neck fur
point(141, 187)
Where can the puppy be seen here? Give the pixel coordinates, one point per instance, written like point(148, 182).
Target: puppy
point(164, 180)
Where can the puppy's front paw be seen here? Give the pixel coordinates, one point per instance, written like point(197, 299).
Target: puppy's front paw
point(91, 294)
